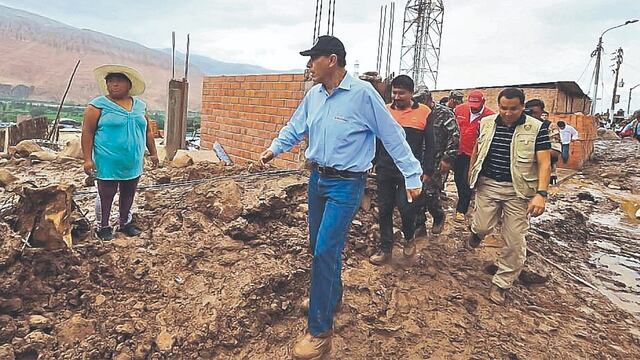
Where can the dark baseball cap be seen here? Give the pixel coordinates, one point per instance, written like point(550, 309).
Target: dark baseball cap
point(326, 45)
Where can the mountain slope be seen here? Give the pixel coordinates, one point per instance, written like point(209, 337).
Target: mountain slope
point(211, 66)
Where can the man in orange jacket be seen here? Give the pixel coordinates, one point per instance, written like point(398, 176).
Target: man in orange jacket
point(468, 116)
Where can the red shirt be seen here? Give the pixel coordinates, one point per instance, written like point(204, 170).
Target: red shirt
point(468, 128)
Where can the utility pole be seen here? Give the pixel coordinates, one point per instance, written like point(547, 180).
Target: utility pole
point(598, 54)
point(421, 41)
point(618, 59)
point(629, 102)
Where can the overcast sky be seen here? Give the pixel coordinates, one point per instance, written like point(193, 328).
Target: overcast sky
point(493, 42)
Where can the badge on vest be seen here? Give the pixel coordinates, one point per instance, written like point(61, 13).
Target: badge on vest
point(527, 127)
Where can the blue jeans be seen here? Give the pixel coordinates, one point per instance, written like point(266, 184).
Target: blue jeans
point(333, 202)
point(565, 152)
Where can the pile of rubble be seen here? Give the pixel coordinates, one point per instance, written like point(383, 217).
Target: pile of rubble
point(223, 263)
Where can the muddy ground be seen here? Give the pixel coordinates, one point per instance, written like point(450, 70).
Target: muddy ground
point(223, 264)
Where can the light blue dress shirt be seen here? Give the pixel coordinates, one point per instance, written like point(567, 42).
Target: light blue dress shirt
point(342, 129)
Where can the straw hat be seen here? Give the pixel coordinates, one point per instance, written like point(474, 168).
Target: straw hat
point(137, 81)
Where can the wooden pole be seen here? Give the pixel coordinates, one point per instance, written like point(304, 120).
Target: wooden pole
point(53, 136)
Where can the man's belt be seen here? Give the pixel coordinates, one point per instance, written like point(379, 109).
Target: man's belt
point(329, 171)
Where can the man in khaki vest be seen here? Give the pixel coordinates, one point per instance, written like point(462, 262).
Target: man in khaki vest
point(510, 173)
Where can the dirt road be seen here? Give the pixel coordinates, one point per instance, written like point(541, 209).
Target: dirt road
point(222, 266)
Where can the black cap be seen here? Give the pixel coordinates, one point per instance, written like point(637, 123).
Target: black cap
point(326, 45)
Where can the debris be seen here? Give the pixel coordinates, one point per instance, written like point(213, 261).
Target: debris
point(199, 156)
point(6, 352)
point(8, 329)
point(45, 214)
point(73, 149)
point(39, 322)
point(164, 340)
point(6, 178)
point(10, 306)
point(75, 330)
point(182, 159)
point(43, 156)
point(25, 147)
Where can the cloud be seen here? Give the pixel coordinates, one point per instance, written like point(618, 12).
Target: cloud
point(483, 43)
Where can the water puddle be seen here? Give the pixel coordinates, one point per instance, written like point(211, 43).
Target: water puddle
point(615, 232)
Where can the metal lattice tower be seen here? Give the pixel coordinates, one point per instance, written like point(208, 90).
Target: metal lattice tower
point(421, 39)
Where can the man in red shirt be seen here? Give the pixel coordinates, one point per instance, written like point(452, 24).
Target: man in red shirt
point(468, 116)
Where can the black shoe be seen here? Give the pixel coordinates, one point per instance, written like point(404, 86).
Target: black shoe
point(130, 230)
point(553, 180)
point(421, 230)
point(105, 233)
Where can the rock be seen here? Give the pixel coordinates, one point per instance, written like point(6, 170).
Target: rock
point(73, 149)
point(125, 329)
point(7, 353)
point(614, 187)
point(6, 178)
point(610, 135)
point(100, 299)
point(75, 330)
point(39, 322)
point(303, 208)
point(601, 131)
point(164, 341)
point(10, 306)
point(142, 350)
point(124, 354)
point(199, 156)
point(43, 155)
point(38, 340)
point(26, 147)
point(8, 328)
point(182, 159)
point(638, 214)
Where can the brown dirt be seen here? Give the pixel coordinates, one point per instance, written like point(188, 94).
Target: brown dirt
point(222, 266)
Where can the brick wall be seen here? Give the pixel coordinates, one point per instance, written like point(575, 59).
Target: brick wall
point(580, 151)
point(244, 113)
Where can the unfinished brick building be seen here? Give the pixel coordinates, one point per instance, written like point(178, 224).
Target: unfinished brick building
point(244, 113)
point(560, 97)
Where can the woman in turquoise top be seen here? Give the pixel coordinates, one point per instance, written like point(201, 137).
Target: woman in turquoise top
point(114, 136)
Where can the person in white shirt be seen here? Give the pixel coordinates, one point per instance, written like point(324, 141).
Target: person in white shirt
point(568, 134)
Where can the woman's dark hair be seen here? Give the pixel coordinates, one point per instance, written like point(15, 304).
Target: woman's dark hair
point(117, 76)
point(512, 93)
point(403, 82)
point(534, 102)
point(444, 100)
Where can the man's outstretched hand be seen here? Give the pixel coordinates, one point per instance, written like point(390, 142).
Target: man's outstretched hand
point(266, 156)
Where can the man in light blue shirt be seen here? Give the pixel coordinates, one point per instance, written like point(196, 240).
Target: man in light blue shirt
point(342, 116)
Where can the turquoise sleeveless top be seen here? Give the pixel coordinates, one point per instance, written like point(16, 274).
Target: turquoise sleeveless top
point(120, 140)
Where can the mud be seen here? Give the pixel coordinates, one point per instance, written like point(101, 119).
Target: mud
point(223, 264)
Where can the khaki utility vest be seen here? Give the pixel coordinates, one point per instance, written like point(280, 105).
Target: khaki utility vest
point(524, 166)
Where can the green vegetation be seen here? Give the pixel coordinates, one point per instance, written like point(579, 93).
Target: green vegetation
point(10, 109)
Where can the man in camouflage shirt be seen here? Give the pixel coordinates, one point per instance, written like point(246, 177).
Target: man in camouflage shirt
point(442, 139)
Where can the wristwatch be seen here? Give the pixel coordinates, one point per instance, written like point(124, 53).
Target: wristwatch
point(542, 193)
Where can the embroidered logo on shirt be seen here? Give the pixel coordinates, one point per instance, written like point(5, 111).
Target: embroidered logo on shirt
point(340, 118)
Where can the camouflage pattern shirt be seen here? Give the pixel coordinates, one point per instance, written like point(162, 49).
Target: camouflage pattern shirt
point(442, 139)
